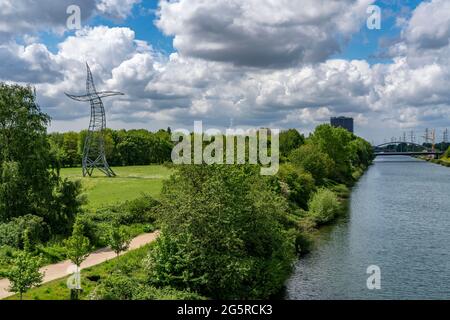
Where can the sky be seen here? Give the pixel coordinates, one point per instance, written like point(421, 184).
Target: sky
point(253, 63)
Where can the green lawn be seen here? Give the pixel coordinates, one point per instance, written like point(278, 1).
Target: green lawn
point(129, 184)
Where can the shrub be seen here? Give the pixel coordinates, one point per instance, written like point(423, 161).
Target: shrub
point(140, 210)
point(51, 253)
point(12, 233)
point(447, 153)
point(120, 287)
point(323, 206)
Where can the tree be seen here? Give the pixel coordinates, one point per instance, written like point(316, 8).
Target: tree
point(335, 142)
point(77, 246)
point(222, 234)
point(24, 273)
point(316, 162)
point(77, 250)
point(290, 140)
point(119, 239)
point(67, 202)
point(70, 145)
point(23, 141)
point(29, 166)
point(300, 184)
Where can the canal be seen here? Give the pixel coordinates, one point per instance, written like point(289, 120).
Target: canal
point(398, 220)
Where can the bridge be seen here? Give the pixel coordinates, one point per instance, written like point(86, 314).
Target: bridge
point(413, 150)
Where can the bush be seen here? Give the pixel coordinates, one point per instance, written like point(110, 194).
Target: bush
point(140, 210)
point(120, 287)
point(51, 253)
point(12, 233)
point(323, 206)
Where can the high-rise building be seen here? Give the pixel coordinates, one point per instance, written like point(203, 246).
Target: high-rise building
point(342, 122)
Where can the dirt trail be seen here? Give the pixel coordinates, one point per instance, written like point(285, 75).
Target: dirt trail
point(59, 270)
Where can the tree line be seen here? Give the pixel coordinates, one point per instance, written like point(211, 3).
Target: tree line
point(122, 147)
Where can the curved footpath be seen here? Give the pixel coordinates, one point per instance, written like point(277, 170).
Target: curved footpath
point(59, 270)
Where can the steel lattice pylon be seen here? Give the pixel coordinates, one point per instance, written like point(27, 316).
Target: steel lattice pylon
point(94, 146)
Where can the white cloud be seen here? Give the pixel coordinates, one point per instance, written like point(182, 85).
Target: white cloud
point(117, 8)
point(260, 33)
point(25, 17)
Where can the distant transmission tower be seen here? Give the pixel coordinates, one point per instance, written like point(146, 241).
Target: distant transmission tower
point(445, 136)
point(427, 135)
point(94, 156)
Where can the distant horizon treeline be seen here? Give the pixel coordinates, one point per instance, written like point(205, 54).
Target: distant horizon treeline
point(122, 147)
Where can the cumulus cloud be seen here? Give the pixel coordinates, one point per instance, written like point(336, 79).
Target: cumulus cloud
point(22, 17)
point(260, 33)
point(429, 26)
point(116, 8)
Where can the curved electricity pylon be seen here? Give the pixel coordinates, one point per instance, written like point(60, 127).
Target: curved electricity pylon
point(94, 156)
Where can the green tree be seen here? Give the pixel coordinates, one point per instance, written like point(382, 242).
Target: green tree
point(335, 142)
point(23, 141)
point(222, 234)
point(119, 239)
point(77, 246)
point(28, 179)
point(299, 184)
point(290, 140)
point(316, 162)
point(70, 147)
point(24, 273)
point(78, 249)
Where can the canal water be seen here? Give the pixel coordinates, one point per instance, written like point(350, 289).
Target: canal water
point(398, 220)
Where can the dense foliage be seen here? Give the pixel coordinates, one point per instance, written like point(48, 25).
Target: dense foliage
point(222, 234)
point(29, 185)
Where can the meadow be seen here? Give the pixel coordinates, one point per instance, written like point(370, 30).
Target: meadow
point(130, 183)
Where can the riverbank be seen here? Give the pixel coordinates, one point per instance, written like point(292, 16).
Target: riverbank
point(442, 161)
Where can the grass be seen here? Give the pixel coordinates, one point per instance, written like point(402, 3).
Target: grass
point(129, 183)
point(90, 277)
